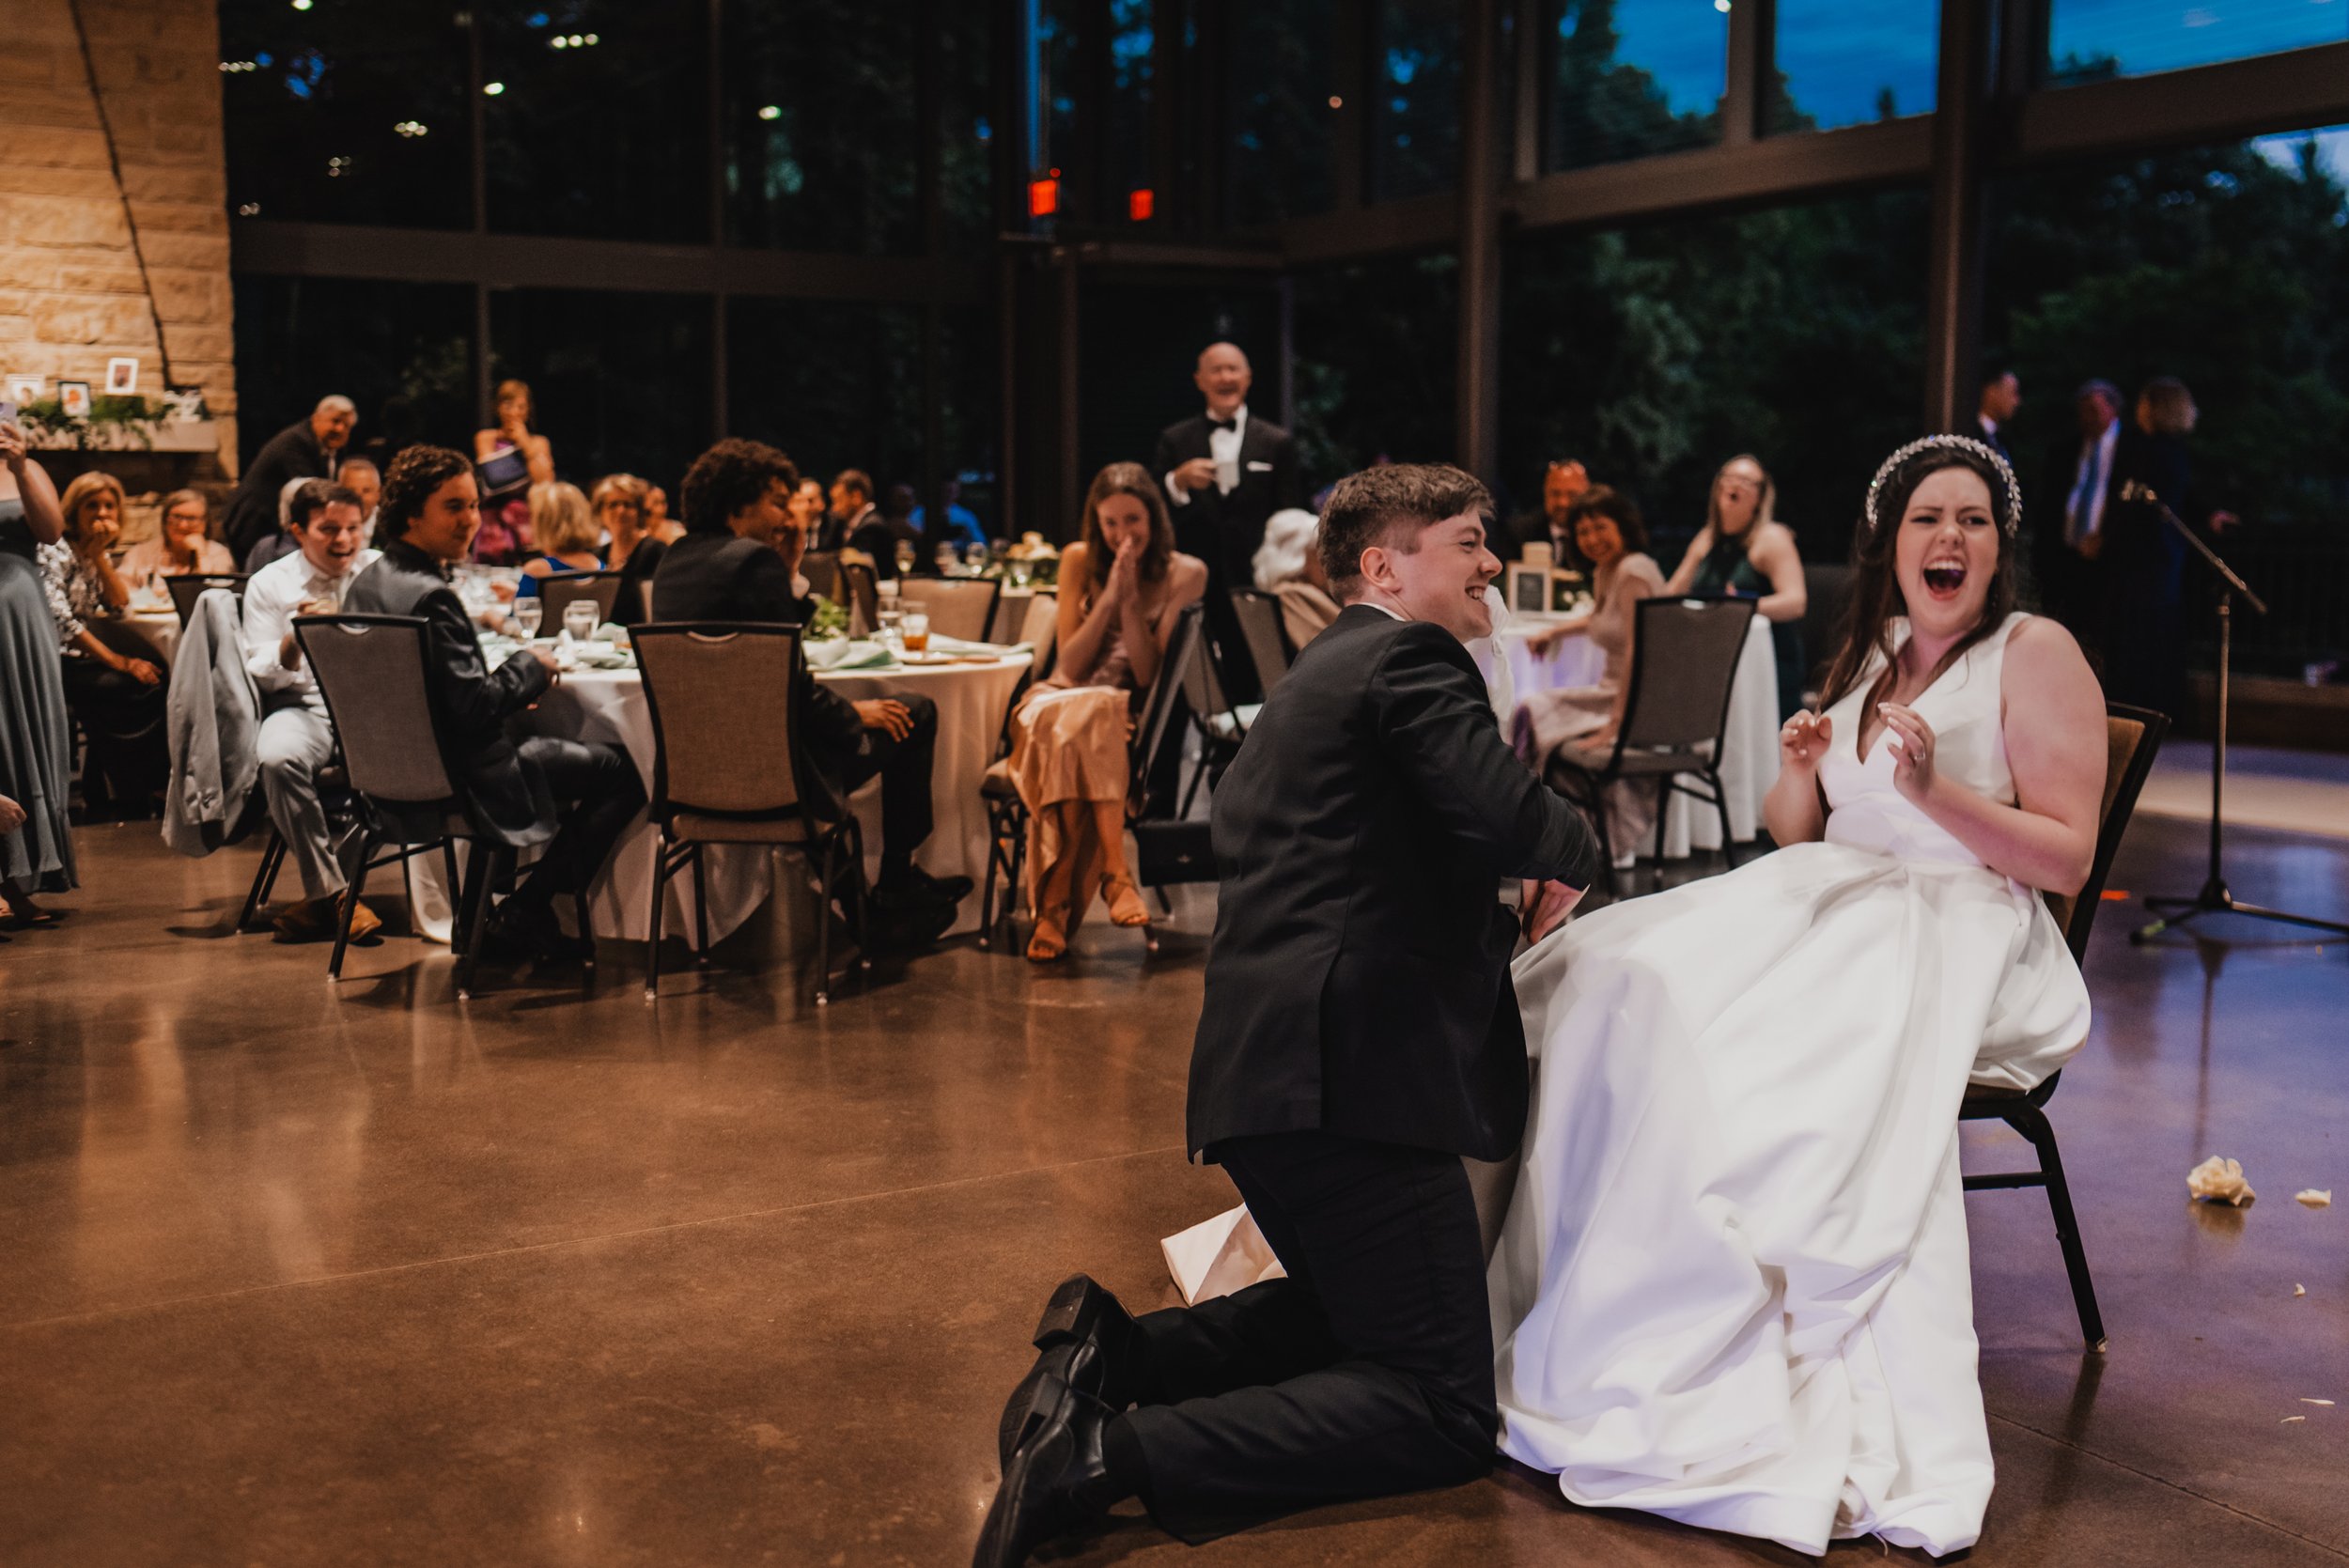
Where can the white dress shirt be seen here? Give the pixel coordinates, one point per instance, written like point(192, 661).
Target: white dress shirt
point(1223, 446)
point(272, 597)
point(2084, 507)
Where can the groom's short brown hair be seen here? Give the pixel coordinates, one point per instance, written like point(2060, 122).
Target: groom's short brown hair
point(1388, 506)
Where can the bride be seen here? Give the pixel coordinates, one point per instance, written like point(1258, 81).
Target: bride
point(1732, 1286)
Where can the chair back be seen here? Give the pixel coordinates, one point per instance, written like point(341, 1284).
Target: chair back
point(560, 592)
point(1040, 631)
point(960, 607)
point(1826, 592)
point(186, 590)
point(724, 716)
point(1268, 644)
point(860, 587)
point(1684, 659)
point(821, 568)
point(1202, 687)
point(372, 671)
point(1186, 646)
point(1011, 618)
point(2132, 738)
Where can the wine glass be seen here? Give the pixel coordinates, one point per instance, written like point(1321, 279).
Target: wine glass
point(905, 557)
point(579, 619)
point(975, 559)
point(527, 615)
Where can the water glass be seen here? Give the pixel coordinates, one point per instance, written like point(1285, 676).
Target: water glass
point(975, 559)
point(890, 617)
point(915, 629)
point(949, 559)
point(527, 614)
point(580, 619)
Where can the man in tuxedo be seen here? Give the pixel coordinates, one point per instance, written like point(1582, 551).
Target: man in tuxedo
point(2001, 397)
point(1563, 483)
point(1359, 1037)
point(739, 561)
point(425, 522)
point(2071, 537)
point(1225, 472)
point(307, 449)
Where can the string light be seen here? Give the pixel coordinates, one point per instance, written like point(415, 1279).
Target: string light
point(410, 128)
point(770, 111)
point(491, 89)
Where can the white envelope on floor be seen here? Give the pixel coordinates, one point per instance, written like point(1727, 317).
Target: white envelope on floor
point(1220, 1256)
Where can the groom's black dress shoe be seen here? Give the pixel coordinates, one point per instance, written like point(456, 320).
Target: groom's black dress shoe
point(1057, 1479)
point(1083, 1316)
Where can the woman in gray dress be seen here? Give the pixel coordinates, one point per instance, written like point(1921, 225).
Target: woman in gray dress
point(35, 743)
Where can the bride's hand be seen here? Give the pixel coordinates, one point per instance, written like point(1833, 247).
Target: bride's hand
point(1545, 907)
point(1803, 739)
point(1911, 739)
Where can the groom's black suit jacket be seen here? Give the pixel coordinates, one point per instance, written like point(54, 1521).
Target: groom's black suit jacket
point(1358, 981)
point(1224, 530)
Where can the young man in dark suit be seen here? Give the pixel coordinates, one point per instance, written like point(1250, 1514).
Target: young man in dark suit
point(739, 561)
point(1359, 1037)
point(429, 512)
point(1225, 471)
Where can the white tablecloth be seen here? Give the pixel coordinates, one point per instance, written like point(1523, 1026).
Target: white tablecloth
point(1749, 746)
point(609, 705)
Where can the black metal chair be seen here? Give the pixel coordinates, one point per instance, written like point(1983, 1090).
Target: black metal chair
point(724, 697)
point(1826, 596)
point(1219, 724)
point(860, 589)
point(374, 673)
point(186, 590)
point(1683, 664)
point(341, 807)
point(1267, 643)
point(559, 591)
point(2132, 736)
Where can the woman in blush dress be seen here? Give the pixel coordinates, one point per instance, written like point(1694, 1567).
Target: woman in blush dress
point(1612, 544)
point(1732, 1286)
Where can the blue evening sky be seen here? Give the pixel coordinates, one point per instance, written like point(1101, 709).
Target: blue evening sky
point(2167, 34)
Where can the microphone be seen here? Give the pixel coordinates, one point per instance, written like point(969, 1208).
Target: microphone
point(2136, 490)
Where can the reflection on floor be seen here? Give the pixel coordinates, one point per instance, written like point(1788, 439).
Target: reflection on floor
point(300, 1275)
point(2305, 792)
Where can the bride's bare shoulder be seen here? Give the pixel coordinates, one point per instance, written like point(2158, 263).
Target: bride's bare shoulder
point(2044, 666)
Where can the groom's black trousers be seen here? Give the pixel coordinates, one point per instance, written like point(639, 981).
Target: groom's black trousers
point(1367, 1371)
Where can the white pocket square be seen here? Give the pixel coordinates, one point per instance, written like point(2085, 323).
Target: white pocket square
point(1259, 468)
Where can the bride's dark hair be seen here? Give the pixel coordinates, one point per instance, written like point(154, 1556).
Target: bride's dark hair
point(1876, 590)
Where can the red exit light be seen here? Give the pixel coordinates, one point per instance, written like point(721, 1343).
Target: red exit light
point(1138, 205)
point(1043, 197)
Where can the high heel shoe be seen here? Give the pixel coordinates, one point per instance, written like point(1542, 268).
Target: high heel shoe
point(1125, 904)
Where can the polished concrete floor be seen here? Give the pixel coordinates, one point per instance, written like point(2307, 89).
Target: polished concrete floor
point(292, 1274)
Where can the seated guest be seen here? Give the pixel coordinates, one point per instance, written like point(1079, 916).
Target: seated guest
point(362, 478)
point(307, 449)
point(563, 532)
point(1744, 550)
point(296, 740)
point(739, 561)
point(1288, 564)
point(658, 522)
point(1562, 483)
point(118, 697)
point(1121, 587)
point(1611, 544)
point(183, 548)
point(618, 500)
point(812, 516)
point(430, 512)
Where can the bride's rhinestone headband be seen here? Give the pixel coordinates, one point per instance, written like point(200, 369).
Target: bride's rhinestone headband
point(2010, 523)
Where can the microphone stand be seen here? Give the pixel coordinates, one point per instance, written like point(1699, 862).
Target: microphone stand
point(2215, 897)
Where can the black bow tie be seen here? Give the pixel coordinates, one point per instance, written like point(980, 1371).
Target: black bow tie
point(1223, 424)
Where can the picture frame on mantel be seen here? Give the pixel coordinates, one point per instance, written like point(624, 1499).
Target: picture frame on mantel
point(74, 400)
point(122, 376)
point(24, 388)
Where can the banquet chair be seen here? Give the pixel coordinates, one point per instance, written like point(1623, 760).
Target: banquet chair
point(1011, 618)
point(561, 591)
point(1219, 725)
point(2132, 736)
point(1829, 594)
point(959, 607)
point(373, 671)
point(186, 590)
point(1039, 628)
point(1683, 662)
point(1268, 644)
point(728, 768)
point(860, 588)
point(821, 568)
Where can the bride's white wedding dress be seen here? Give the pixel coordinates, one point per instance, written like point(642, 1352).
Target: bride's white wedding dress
point(1732, 1288)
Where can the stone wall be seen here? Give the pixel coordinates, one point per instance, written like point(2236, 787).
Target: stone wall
point(71, 291)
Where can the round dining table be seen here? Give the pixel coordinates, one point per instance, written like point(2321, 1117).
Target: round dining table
point(971, 695)
point(1514, 672)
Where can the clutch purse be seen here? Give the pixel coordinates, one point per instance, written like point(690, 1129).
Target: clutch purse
point(503, 475)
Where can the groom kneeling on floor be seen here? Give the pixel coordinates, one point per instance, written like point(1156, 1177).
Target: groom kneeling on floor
point(1359, 1035)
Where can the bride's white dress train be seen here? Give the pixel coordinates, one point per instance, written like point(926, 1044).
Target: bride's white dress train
point(1732, 1288)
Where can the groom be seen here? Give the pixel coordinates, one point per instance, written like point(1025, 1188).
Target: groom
point(1360, 1036)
